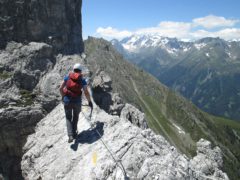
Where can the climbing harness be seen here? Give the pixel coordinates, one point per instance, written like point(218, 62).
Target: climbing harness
point(118, 162)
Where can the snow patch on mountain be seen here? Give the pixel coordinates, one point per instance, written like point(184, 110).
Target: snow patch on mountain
point(172, 51)
point(129, 47)
point(142, 41)
point(200, 45)
point(185, 49)
point(137, 42)
point(179, 129)
point(230, 55)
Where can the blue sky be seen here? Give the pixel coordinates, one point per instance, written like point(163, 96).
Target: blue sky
point(184, 19)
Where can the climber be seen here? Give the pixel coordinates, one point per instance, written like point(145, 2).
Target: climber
point(71, 91)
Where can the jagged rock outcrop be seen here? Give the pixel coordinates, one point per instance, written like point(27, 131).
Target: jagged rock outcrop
point(134, 116)
point(23, 66)
point(56, 22)
point(103, 95)
point(208, 161)
point(145, 155)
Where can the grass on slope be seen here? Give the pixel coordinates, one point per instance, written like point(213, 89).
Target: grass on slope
point(228, 134)
point(181, 142)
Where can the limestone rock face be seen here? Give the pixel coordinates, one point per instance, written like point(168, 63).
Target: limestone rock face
point(144, 155)
point(56, 22)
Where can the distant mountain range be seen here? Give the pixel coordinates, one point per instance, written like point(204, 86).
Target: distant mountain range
point(206, 71)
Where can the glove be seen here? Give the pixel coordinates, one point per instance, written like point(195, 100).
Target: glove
point(90, 104)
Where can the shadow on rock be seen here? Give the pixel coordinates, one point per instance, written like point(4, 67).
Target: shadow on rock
point(89, 136)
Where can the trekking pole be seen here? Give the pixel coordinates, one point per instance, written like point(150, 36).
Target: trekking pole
point(118, 163)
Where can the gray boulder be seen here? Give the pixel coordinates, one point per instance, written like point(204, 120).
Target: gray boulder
point(208, 161)
point(103, 95)
point(26, 79)
point(135, 116)
point(102, 81)
point(117, 104)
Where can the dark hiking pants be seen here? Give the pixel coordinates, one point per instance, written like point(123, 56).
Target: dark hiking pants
point(72, 111)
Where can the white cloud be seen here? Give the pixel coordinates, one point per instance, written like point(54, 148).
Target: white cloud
point(182, 30)
point(200, 34)
point(227, 34)
point(174, 25)
point(110, 32)
point(168, 28)
point(212, 21)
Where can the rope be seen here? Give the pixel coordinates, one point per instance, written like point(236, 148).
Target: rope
point(118, 163)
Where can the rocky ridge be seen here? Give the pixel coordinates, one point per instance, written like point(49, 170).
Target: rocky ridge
point(31, 76)
point(143, 154)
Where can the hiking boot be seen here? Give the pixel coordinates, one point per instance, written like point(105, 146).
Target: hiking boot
point(75, 135)
point(70, 139)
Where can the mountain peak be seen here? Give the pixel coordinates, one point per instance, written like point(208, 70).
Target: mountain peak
point(136, 42)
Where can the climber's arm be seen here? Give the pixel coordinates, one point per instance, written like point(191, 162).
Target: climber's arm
point(61, 88)
point(86, 92)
